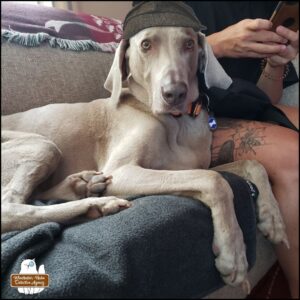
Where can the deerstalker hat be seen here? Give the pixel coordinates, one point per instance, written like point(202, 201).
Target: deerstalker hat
point(159, 13)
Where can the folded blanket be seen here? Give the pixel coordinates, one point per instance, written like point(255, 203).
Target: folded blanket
point(31, 25)
point(160, 247)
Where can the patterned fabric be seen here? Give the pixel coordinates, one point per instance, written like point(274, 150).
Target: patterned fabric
point(30, 25)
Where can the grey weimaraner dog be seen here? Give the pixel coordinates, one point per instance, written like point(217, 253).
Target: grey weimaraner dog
point(137, 142)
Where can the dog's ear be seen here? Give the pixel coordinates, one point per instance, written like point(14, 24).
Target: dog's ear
point(117, 74)
point(214, 74)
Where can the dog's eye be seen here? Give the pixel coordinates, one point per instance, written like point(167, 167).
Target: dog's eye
point(146, 45)
point(189, 44)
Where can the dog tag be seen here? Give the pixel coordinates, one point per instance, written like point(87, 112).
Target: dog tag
point(212, 123)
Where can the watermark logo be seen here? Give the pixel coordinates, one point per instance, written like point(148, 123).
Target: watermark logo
point(30, 280)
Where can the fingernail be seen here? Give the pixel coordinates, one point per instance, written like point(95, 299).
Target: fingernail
point(286, 243)
point(246, 286)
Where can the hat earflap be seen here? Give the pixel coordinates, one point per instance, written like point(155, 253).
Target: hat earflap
point(213, 73)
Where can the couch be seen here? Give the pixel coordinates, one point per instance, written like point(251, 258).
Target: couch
point(36, 76)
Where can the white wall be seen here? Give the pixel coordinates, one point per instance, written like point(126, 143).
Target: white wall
point(113, 9)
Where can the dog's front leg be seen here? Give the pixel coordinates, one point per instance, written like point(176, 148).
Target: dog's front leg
point(204, 185)
point(77, 186)
point(16, 216)
point(270, 221)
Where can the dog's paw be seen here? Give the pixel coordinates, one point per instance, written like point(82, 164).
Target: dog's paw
point(97, 183)
point(99, 207)
point(271, 223)
point(89, 183)
point(231, 259)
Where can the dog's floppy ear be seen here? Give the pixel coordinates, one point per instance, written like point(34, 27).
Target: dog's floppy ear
point(117, 74)
point(214, 74)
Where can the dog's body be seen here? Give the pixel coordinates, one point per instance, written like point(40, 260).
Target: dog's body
point(135, 137)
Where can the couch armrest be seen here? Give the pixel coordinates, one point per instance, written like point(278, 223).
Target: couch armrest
point(290, 95)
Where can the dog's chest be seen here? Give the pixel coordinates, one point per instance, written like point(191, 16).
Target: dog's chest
point(185, 144)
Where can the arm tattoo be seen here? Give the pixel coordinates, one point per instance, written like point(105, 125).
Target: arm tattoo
point(242, 140)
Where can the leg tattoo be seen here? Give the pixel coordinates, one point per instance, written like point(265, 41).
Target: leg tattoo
point(242, 138)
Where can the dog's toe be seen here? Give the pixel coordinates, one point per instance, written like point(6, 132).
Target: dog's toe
point(271, 223)
point(115, 205)
point(231, 260)
point(97, 184)
point(89, 183)
point(99, 207)
point(233, 268)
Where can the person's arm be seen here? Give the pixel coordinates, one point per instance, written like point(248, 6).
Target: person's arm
point(247, 38)
point(271, 82)
point(253, 38)
point(271, 79)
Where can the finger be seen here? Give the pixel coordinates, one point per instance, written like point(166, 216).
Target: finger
point(258, 24)
point(252, 54)
point(288, 54)
point(265, 48)
point(279, 60)
point(269, 36)
point(289, 34)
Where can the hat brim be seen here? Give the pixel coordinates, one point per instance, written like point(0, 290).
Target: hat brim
point(164, 19)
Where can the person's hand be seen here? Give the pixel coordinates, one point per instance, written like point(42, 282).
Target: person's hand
point(247, 38)
point(291, 50)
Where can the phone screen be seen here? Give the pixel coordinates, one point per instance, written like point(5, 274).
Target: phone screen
point(286, 14)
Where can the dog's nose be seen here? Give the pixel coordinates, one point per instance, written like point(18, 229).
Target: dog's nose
point(174, 93)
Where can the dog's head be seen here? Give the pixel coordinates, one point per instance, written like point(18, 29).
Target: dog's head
point(159, 66)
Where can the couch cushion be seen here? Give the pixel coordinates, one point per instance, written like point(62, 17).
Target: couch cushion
point(37, 76)
point(290, 94)
point(41, 75)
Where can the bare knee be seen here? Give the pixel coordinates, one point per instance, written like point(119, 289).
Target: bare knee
point(291, 112)
point(283, 164)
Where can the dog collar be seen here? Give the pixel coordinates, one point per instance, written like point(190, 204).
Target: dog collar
point(195, 107)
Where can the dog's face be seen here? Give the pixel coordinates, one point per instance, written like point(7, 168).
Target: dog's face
point(162, 63)
point(159, 66)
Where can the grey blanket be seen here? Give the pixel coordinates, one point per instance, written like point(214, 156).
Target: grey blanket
point(158, 248)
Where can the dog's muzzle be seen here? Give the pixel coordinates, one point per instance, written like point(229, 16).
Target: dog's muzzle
point(174, 93)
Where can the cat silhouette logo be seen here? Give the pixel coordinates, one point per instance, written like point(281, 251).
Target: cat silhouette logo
point(30, 280)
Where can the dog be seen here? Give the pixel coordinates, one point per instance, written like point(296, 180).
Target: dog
point(141, 140)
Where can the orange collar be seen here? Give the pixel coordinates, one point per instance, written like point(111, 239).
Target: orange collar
point(194, 109)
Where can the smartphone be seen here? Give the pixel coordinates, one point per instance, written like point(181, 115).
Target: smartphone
point(286, 14)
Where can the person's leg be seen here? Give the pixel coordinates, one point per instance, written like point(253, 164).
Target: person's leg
point(291, 112)
point(277, 149)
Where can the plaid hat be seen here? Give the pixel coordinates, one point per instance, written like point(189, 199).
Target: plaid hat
point(159, 13)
